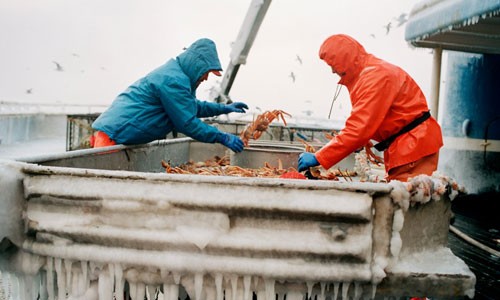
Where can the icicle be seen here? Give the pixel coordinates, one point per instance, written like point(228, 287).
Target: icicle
point(30, 289)
point(43, 286)
point(133, 290)
point(67, 266)
point(36, 284)
point(270, 293)
point(322, 295)
point(358, 290)
point(78, 287)
point(234, 286)
point(92, 268)
point(335, 290)
point(111, 274)
point(140, 291)
point(21, 287)
point(50, 278)
point(171, 291)
point(119, 282)
point(255, 283)
point(309, 289)
point(14, 282)
point(105, 286)
point(151, 290)
point(163, 275)
point(86, 280)
point(374, 291)
point(345, 289)
point(198, 285)
point(281, 296)
point(61, 281)
point(247, 280)
point(218, 286)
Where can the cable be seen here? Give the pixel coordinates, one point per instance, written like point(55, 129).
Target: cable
point(473, 241)
point(335, 96)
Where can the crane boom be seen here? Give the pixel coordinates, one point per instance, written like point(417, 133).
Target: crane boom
point(242, 45)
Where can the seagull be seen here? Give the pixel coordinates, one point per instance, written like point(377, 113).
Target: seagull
point(387, 28)
point(58, 66)
point(372, 35)
point(29, 91)
point(401, 19)
point(292, 76)
point(299, 59)
point(75, 54)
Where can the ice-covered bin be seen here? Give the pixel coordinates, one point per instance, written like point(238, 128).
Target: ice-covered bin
point(92, 223)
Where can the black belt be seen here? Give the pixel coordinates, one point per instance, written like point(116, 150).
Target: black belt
point(387, 142)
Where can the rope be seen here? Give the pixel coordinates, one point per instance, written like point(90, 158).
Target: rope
point(473, 241)
point(335, 96)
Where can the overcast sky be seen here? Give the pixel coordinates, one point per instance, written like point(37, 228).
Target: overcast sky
point(103, 46)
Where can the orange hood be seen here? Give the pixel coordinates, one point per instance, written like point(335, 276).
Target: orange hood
point(345, 55)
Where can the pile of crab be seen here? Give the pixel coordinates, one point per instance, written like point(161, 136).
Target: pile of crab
point(220, 166)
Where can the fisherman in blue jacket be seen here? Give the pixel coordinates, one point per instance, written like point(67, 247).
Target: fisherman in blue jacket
point(164, 100)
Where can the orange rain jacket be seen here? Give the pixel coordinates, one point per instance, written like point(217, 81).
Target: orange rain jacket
point(384, 99)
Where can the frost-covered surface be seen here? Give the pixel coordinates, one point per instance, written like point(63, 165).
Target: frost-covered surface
point(421, 262)
point(430, 17)
point(11, 202)
point(208, 236)
point(423, 188)
point(443, 263)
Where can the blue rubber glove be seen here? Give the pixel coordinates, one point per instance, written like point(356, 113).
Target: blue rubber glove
point(231, 141)
point(238, 107)
point(307, 160)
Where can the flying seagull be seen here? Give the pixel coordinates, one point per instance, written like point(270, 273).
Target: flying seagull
point(401, 19)
point(388, 28)
point(58, 66)
point(29, 91)
point(299, 59)
point(292, 76)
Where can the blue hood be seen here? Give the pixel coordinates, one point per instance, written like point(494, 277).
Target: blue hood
point(198, 59)
point(164, 100)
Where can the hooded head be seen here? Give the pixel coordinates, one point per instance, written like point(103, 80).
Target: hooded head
point(198, 59)
point(345, 55)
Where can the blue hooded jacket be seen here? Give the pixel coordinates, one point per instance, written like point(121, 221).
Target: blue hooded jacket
point(165, 99)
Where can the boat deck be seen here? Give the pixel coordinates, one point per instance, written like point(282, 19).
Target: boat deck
point(475, 217)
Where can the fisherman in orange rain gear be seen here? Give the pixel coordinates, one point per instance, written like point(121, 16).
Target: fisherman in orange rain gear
point(387, 106)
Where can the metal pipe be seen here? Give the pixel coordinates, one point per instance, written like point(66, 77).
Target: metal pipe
point(435, 82)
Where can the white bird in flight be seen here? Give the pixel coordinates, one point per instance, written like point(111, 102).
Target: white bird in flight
point(58, 66)
point(299, 59)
